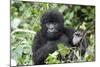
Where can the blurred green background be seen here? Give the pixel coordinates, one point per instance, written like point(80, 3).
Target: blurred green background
point(25, 22)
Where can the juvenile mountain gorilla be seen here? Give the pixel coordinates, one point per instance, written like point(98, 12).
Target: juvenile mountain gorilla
point(51, 34)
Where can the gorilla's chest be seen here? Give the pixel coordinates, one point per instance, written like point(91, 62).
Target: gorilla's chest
point(63, 39)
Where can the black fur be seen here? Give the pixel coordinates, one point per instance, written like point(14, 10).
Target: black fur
point(43, 45)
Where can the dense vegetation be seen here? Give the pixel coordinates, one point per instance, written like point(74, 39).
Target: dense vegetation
point(25, 22)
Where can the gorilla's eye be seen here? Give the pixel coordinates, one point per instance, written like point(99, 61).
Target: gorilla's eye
point(50, 25)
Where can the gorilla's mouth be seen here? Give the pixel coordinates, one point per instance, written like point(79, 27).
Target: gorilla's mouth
point(52, 31)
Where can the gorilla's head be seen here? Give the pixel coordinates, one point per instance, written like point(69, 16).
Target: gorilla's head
point(52, 23)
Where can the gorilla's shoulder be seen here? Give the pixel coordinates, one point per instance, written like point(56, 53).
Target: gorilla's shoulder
point(69, 32)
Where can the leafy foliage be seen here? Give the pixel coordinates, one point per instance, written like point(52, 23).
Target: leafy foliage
point(25, 22)
point(52, 58)
point(63, 50)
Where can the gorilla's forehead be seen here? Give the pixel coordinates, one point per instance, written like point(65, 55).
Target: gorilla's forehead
point(52, 16)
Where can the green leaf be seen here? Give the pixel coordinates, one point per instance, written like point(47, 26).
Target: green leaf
point(63, 50)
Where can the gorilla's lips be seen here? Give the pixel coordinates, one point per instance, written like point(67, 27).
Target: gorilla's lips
point(51, 30)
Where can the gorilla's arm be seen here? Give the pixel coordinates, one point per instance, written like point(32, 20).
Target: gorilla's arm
point(41, 50)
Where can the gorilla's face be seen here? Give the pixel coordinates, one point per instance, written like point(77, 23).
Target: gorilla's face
point(53, 29)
